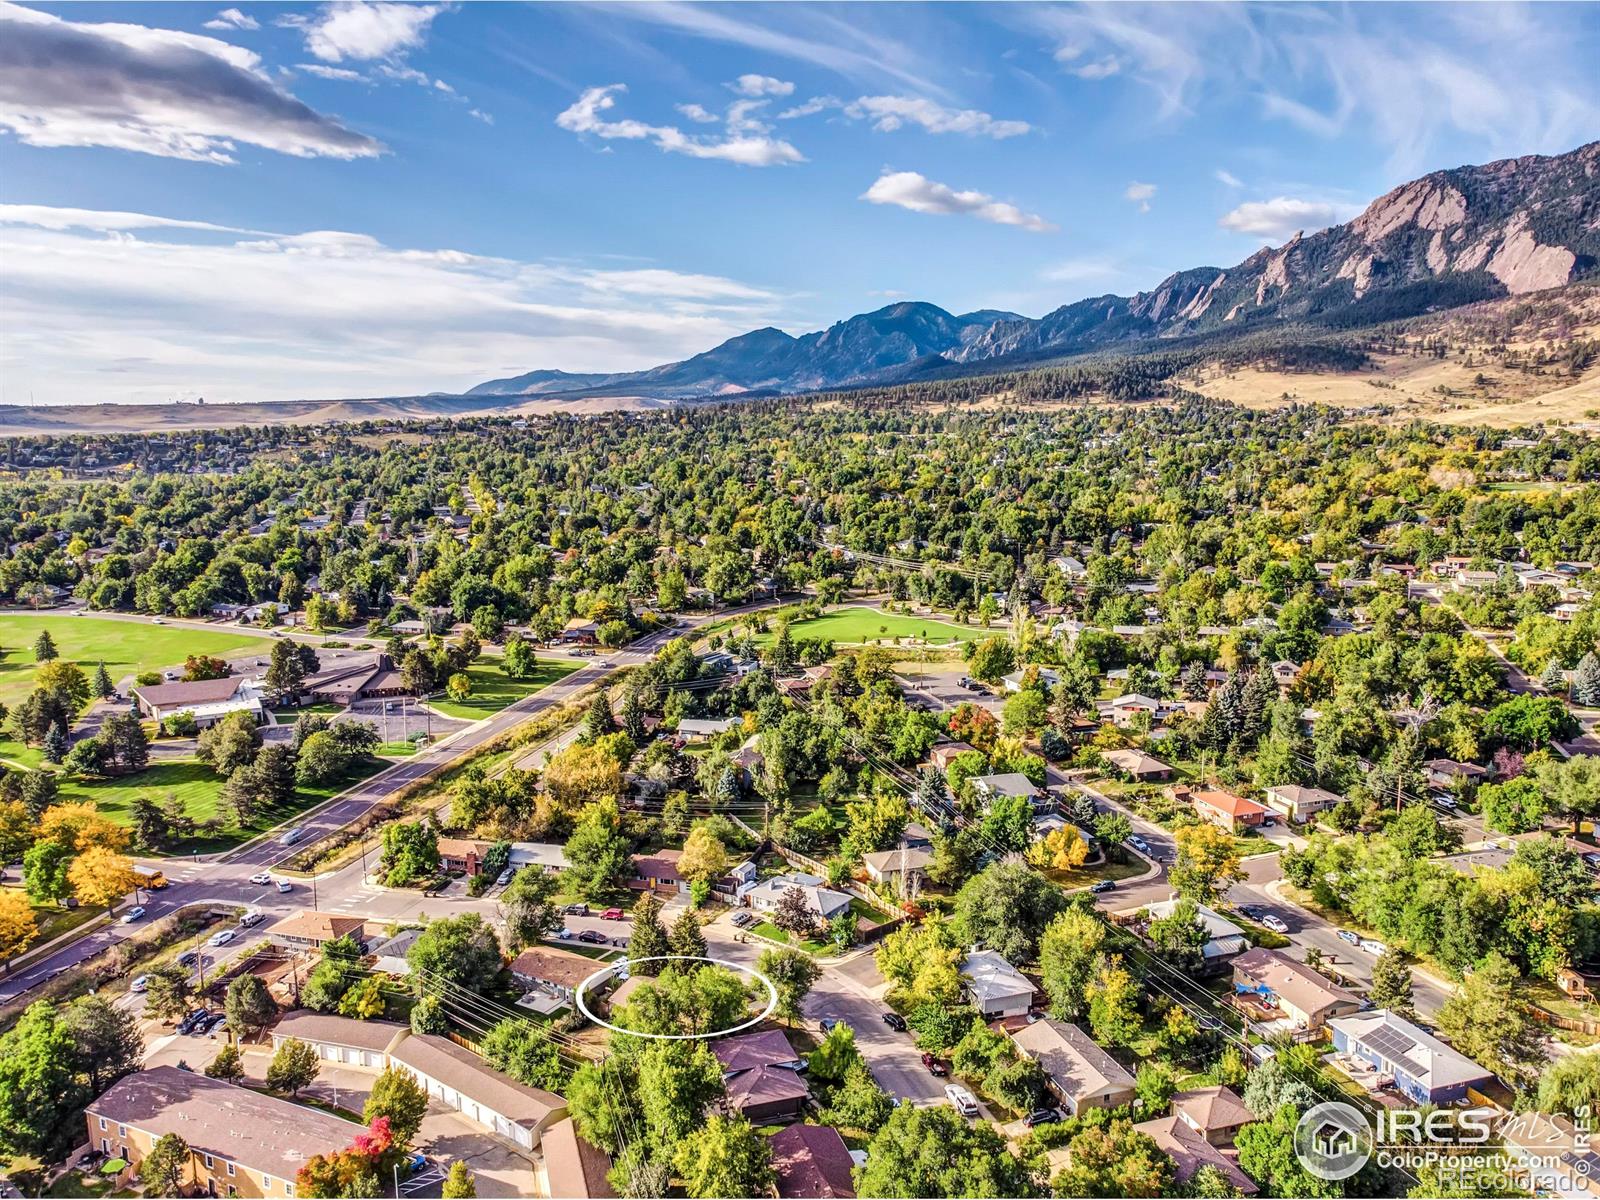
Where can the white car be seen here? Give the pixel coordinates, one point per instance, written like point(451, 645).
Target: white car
point(133, 914)
point(222, 939)
point(963, 1101)
point(261, 877)
point(285, 886)
point(1274, 923)
point(139, 984)
point(1374, 946)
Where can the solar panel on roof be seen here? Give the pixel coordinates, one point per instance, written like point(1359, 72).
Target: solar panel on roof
point(1396, 1047)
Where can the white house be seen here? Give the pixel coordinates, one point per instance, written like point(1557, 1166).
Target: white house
point(695, 729)
point(550, 857)
point(824, 901)
point(995, 987)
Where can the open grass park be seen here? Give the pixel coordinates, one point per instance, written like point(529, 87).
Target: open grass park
point(493, 689)
point(857, 625)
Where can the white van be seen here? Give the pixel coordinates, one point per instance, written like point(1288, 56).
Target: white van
point(251, 918)
point(962, 1100)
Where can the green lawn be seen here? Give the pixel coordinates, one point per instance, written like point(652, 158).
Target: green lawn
point(768, 930)
point(200, 789)
point(493, 689)
point(53, 921)
point(126, 647)
point(854, 625)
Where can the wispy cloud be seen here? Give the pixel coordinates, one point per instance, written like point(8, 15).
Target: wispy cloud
point(152, 91)
point(908, 189)
point(1283, 216)
point(1228, 178)
point(1140, 194)
point(232, 18)
point(176, 307)
point(744, 142)
point(364, 30)
point(761, 85)
point(889, 113)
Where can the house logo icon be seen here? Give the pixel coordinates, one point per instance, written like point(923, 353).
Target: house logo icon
point(1333, 1141)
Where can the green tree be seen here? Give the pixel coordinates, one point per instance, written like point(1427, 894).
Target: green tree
point(410, 852)
point(228, 1064)
point(44, 872)
point(1487, 1020)
point(649, 937)
point(1570, 1085)
point(530, 907)
point(462, 951)
point(525, 1052)
point(1266, 1154)
point(458, 1182)
point(1007, 907)
point(250, 1007)
point(1068, 950)
point(858, 1102)
point(397, 1095)
point(991, 659)
point(1113, 1003)
point(835, 1054)
point(687, 938)
point(44, 647)
point(293, 1066)
point(108, 1042)
point(793, 973)
point(41, 1092)
point(1207, 862)
point(1391, 984)
point(1180, 937)
point(598, 721)
point(1115, 1160)
point(933, 1152)
point(101, 684)
point(598, 851)
point(165, 1167)
point(725, 1157)
point(167, 991)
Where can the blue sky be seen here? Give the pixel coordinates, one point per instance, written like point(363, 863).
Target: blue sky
point(282, 201)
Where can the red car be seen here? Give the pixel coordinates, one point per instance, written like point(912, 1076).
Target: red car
point(935, 1067)
point(611, 914)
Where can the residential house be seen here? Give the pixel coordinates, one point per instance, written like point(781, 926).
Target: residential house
point(812, 1163)
point(695, 729)
point(1421, 1066)
point(207, 701)
point(241, 1142)
point(946, 753)
point(826, 902)
point(806, 680)
point(1443, 773)
point(1047, 678)
point(580, 632)
point(1473, 581)
point(340, 1039)
point(309, 929)
point(389, 957)
point(573, 1168)
point(1551, 1155)
point(990, 788)
point(550, 857)
point(1284, 672)
point(1069, 566)
point(1224, 940)
point(1277, 982)
point(1125, 710)
point(1080, 1073)
point(730, 888)
point(1300, 804)
point(761, 1072)
point(1136, 765)
point(994, 986)
point(658, 872)
point(916, 836)
point(463, 1081)
point(1190, 1152)
point(551, 970)
point(1228, 810)
point(463, 854)
point(904, 867)
point(1215, 1113)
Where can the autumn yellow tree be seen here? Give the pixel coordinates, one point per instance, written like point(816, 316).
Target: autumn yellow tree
point(580, 775)
point(100, 877)
point(1060, 850)
point(704, 857)
point(1208, 861)
point(17, 923)
point(81, 827)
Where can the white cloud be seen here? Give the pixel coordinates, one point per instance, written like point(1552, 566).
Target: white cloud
point(811, 107)
point(189, 308)
point(907, 189)
point(152, 91)
point(744, 141)
point(232, 18)
point(760, 85)
point(1228, 178)
point(364, 29)
point(699, 113)
point(1282, 217)
point(1140, 194)
point(1511, 79)
point(889, 113)
point(342, 74)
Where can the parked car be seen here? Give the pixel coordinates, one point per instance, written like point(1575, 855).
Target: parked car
point(1351, 936)
point(1139, 844)
point(1252, 911)
point(743, 919)
point(895, 1021)
point(935, 1068)
point(828, 1023)
point(963, 1101)
point(261, 877)
point(133, 914)
point(193, 1021)
point(139, 984)
point(1274, 923)
point(613, 914)
point(1104, 886)
point(222, 938)
point(285, 886)
point(251, 918)
point(218, 1028)
point(593, 937)
point(1373, 946)
point(564, 934)
point(576, 910)
point(1445, 802)
point(1043, 1116)
point(505, 877)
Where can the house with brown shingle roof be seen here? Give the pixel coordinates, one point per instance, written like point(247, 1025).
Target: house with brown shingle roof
point(1190, 1152)
point(813, 1163)
point(1079, 1071)
point(1215, 1113)
point(309, 929)
point(552, 970)
point(1305, 996)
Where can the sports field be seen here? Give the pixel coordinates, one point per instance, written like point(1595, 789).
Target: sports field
point(126, 647)
point(856, 625)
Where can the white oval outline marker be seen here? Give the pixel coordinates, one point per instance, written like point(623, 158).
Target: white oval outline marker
point(610, 969)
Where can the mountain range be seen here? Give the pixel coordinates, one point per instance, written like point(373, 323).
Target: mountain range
point(1452, 237)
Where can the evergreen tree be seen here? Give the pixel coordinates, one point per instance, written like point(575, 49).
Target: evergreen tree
point(102, 685)
point(598, 721)
point(1259, 693)
point(687, 938)
point(1554, 678)
point(1586, 681)
point(649, 938)
point(633, 718)
point(1193, 682)
point(227, 1064)
point(56, 744)
point(459, 1184)
point(44, 648)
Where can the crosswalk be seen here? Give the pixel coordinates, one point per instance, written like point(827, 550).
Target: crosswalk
point(360, 898)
